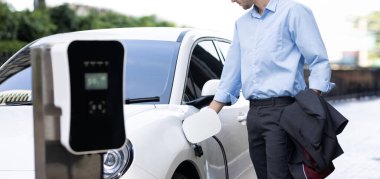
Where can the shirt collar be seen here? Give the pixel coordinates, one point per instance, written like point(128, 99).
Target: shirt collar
point(271, 6)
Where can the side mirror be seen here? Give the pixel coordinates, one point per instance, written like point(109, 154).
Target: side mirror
point(210, 87)
point(201, 126)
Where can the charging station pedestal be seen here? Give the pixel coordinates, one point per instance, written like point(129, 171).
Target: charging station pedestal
point(65, 137)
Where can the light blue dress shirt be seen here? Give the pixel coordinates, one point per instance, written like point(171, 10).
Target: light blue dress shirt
point(268, 53)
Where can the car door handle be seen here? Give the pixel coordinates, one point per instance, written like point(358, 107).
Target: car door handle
point(242, 118)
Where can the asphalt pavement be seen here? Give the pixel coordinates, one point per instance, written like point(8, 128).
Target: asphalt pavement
point(360, 140)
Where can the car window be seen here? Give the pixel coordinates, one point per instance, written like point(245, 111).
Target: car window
point(222, 47)
point(16, 73)
point(149, 68)
point(205, 65)
point(21, 80)
point(209, 47)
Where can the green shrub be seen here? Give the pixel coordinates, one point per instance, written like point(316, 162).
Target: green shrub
point(8, 48)
point(11, 46)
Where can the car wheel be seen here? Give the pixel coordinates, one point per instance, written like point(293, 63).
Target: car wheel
point(177, 175)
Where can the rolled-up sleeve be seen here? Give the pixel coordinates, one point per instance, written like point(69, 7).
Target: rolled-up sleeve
point(230, 82)
point(305, 33)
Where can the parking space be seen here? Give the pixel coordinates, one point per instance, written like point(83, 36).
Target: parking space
point(360, 140)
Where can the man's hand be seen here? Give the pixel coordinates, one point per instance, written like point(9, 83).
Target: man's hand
point(317, 91)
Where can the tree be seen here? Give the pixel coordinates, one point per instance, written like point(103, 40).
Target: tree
point(99, 20)
point(8, 23)
point(64, 18)
point(373, 21)
point(374, 25)
point(28, 25)
point(8, 32)
point(151, 21)
point(34, 25)
point(20, 28)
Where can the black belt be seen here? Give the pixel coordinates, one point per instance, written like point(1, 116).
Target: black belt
point(283, 100)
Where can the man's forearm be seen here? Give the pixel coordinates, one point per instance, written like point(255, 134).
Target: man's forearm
point(216, 106)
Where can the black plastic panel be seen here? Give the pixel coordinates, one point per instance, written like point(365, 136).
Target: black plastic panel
point(96, 79)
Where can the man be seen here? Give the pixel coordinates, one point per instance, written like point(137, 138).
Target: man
point(271, 44)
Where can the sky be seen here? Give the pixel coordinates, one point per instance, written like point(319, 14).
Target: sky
point(217, 14)
point(332, 15)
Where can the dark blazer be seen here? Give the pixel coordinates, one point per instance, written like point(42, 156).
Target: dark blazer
point(313, 125)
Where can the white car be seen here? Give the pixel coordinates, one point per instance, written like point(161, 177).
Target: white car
point(170, 63)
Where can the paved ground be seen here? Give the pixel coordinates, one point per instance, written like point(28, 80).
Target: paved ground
point(360, 140)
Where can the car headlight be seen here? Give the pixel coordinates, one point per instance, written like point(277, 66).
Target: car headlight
point(117, 162)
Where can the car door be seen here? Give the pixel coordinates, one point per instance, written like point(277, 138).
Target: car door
point(235, 131)
point(16, 121)
point(206, 63)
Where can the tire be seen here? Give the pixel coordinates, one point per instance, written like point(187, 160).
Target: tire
point(177, 175)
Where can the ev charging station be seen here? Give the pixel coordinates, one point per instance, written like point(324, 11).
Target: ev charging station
point(78, 106)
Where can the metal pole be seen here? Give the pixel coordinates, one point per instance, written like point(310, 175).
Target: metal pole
point(52, 160)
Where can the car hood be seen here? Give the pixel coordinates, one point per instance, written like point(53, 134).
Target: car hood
point(132, 110)
point(16, 132)
point(17, 137)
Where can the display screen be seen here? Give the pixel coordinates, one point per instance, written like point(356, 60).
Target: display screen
point(96, 81)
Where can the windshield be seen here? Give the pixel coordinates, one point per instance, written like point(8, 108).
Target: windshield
point(149, 68)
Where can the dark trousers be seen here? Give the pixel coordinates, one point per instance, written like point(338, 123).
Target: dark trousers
point(269, 144)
